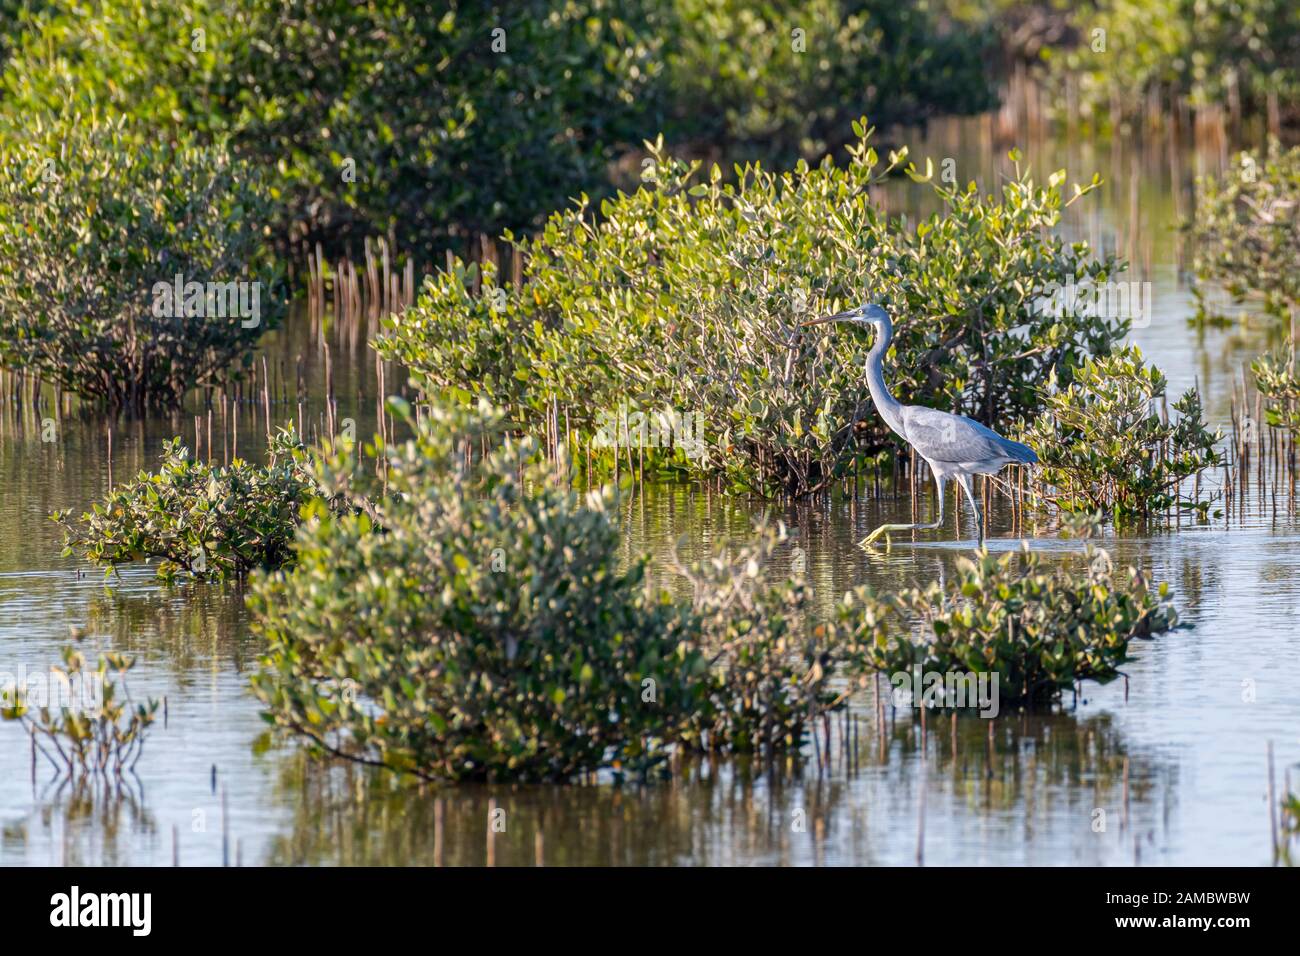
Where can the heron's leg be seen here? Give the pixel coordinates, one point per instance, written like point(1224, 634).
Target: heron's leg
point(886, 528)
point(970, 496)
point(938, 487)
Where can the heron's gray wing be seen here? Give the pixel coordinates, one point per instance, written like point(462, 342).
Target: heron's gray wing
point(943, 436)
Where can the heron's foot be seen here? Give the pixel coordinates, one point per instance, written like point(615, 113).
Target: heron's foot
point(868, 543)
point(883, 529)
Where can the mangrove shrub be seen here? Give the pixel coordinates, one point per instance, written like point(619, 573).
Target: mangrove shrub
point(476, 115)
point(470, 624)
point(138, 271)
point(1106, 443)
point(1041, 630)
point(209, 521)
point(783, 81)
point(1246, 231)
point(481, 622)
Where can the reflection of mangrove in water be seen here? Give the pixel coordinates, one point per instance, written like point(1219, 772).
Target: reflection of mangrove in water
point(88, 822)
point(1198, 583)
point(1080, 765)
point(187, 625)
point(1000, 780)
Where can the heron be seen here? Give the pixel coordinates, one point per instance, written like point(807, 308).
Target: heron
point(954, 446)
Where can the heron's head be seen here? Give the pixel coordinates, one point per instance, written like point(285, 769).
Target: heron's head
point(869, 314)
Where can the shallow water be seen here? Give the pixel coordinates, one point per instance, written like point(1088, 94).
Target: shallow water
point(1189, 730)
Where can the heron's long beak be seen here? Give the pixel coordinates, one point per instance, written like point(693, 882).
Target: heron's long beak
point(837, 317)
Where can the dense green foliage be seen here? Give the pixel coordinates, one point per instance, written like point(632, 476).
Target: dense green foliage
point(464, 620)
point(11, 14)
point(211, 522)
point(1105, 444)
point(448, 121)
point(688, 295)
point(96, 220)
point(1246, 231)
point(379, 114)
point(783, 80)
point(168, 64)
point(433, 120)
point(1208, 51)
point(485, 632)
point(1040, 629)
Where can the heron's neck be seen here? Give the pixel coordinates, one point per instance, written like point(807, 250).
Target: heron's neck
point(889, 407)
